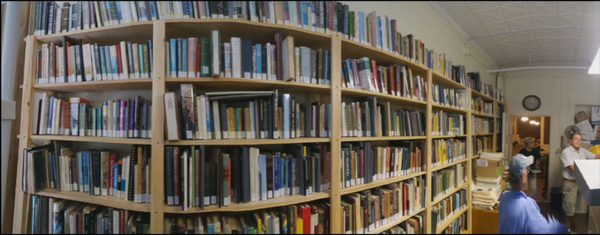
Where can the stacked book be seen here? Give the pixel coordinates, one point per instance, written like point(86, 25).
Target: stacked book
point(444, 151)
point(367, 118)
point(456, 98)
point(412, 225)
point(478, 105)
point(447, 124)
point(487, 190)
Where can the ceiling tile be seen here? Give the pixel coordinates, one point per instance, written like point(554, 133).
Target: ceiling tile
point(542, 7)
point(525, 43)
point(514, 10)
point(590, 20)
point(588, 42)
point(547, 42)
point(519, 23)
point(544, 20)
point(592, 8)
point(548, 50)
point(504, 3)
point(568, 42)
point(517, 58)
point(590, 33)
point(570, 19)
point(497, 27)
point(549, 56)
point(489, 16)
point(505, 37)
point(569, 32)
point(567, 57)
point(546, 33)
point(570, 7)
point(478, 6)
point(520, 35)
point(507, 45)
point(529, 51)
point(567, 49)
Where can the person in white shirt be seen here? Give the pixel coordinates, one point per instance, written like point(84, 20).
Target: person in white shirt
point(570, 188)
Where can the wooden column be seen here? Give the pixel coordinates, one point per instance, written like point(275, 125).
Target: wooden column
point(469, 167)
point(158, 144)
point(336, 127)
point(428, 117)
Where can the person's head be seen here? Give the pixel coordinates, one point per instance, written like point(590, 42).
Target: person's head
point(529, 143)
point(517, 172)
point(576, 141)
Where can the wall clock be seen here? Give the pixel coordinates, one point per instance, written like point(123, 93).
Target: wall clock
point(531, 102)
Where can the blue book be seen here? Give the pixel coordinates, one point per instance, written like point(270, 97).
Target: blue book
point(173, 56)
point(123, 184)
point(186, 9)
point(85, 167)
point(141, 58)
point(207, 9)
point(150, 51)
point(50, 111)
point(108, 11)
point(304, 5)
point(119, 13)
point(313, 9)
point(380, 33)
point(184, 57)
point(102, 62)
point(276, 175)
point(80, 171)
point(153, 10)
point(34, 222)
point(99, 121)
point(116, 179)
point(115, 65)
point(328, 120)
point(282, 168)
point(263, 177)
point(292, 174)
point(210, 228)
point(347, 168)
point(52, 171)
point(70, 17)
point(237, 123)
point(258, 61)
point(209, 122)
point(107, 63)
point(252, 8)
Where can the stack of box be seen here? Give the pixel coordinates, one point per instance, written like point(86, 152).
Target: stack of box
point(487, 189)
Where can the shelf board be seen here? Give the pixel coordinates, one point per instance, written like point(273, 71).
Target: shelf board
point(110, 85)
point(229, 84)
point(482, 114)
point(485, 134)
point(248, 141)
point(353, 49)
point(447, 108)
point(135, 31)
point(382, 138)
point(352, 92)
point(383, 228)
point(448, 164)
point(358, 188)
point(109, 201)
point(446, 81)
point(447, 136)
point(464, 232)
point(92, 139)
point(238, 207)
point(451, 219)
point(483, 96)
point(454, 190)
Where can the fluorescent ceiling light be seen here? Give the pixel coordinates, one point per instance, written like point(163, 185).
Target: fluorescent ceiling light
point(524, 119)
point(595, 67)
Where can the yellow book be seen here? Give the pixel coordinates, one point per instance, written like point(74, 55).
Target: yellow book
point(258, 219)
point(299, 225)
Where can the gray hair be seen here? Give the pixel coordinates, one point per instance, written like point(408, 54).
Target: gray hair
point(528, 140)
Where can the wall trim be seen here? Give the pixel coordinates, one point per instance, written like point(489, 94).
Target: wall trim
point(443, 13)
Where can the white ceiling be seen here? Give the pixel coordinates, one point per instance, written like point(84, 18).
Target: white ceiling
point(513, 33)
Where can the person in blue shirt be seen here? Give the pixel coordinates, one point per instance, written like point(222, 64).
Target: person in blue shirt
point(519, 213)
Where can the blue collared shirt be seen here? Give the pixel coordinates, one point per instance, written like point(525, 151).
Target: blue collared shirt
point(520, 214)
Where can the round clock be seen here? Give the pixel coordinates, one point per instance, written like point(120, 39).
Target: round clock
point(531, 102)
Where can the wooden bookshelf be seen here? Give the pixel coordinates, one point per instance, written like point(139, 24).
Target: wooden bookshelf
point(451, 219)
point(485, 115)
point(280, 201)
point(160, 31)
point(445, 195)
point(391, 224)
point(100, 200)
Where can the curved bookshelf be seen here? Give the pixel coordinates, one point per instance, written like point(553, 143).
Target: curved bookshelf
point(281, 201)
point(92, 139)
point(446, 81)
point(95, 86)
point(248, 141)
point(353, 49)
point(109, 201)
point(358, 188)
point(352, 92)
point(129, 31)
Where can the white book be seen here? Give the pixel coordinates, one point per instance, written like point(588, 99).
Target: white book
point(44, 114)
point(125, 11)
point(171, 116)
point(227, 60)
point(87, 62)
point(236, 57)
point(216, 121)
point(113, 58)
point(215, 44)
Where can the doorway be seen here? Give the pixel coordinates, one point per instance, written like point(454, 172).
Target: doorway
point(537, 127)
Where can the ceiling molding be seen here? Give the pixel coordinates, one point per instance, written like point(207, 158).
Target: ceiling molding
point(461, 30)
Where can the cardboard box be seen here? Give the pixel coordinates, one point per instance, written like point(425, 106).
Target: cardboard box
point(588, 180)
point(489, 167)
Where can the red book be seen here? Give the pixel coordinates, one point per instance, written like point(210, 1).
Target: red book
point(66, 117)
point(326, 214)
point(80, 221)
point(305, 218)
point(111, 174)
point(376, 77)
point(176, 174)
point(119, 60)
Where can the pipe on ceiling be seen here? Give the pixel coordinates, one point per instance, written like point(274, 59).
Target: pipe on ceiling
point(538, 67)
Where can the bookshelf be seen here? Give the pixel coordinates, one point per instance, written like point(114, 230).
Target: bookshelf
point(159, 31)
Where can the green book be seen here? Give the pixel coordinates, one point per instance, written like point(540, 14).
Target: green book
point(351, 25)
point(205, 58)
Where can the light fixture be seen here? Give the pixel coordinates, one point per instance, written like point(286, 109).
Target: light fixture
point(537, 123)
point(532, 122)
point(524, 119)
point(595, 67)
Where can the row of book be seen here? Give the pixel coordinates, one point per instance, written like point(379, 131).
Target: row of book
point(241, 58)
point(364, 163)
point(475, 83)
point(95, 172)
point(77, 117)
point(458, 226)
point(444, 151)
point(199, 176)
point(455, 98)
point(306, 218)
point(482, 144)
point(447, 207)
point(59, 216)
point(368, 118)
point(479, 105)
point(410, 226)
point(79, 61)
point(482, 125)
point(445, 123)
point(443, 181)
point(397, 80)
point(243, 115)
point(367, 210)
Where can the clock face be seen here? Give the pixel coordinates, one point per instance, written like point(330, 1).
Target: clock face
point(531, 102)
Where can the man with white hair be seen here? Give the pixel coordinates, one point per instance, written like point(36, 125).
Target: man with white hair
point(519, 213)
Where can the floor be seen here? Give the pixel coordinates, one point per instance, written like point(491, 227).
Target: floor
point(580, 221)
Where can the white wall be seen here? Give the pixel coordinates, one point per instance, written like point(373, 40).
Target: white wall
point(562, 93)
point(425, 23)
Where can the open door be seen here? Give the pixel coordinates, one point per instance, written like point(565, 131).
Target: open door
point(507, 135)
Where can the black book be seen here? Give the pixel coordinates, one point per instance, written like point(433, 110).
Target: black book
point(245, 174)
point(247, 65)
point(133, 160)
